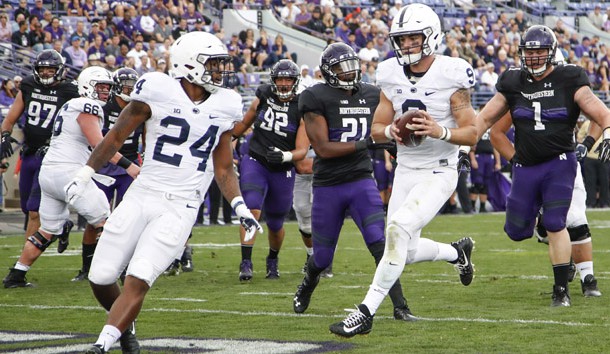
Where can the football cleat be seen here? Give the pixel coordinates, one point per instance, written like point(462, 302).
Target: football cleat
point(561, 297)
point(355, 323)
point(301, 300)
point(129, 342)
point(464, 266)
point(272, 270)
point(571, 271)
point(404, 314)
point(173, 269)
point(64, 238)
point(95, 349)
point(589, 287)
point(245, 270)
point(186, 262)
point(304, 269)
point(82, 275)
point(16, 279)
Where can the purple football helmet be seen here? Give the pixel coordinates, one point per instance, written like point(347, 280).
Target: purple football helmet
point(48, 58)
point(124, 78)
point(340, 66)
point(285, 68)
point(538, 37)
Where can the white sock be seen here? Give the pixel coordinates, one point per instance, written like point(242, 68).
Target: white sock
point(309, 251)
point(432, 251)
point(108, 336)
point(584, 269)
point(21, 266)
point(374, 298)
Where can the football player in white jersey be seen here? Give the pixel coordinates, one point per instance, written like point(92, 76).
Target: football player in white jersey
point(188, 119)
point(76, 128)
point(426, 176)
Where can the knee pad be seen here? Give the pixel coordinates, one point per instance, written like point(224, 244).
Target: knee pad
point(479, 188)
point(397, 242)
point(41, 242)
point(579, 233)
point(142, 269)
point(483, 189)
point(473, 190)
point(305, 234)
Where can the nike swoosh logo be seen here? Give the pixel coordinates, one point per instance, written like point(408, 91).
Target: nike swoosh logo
point(393, 264)
point(350, 330)
point(214, 117)
point(437, 172)
point(191, 207)
point(428, 93)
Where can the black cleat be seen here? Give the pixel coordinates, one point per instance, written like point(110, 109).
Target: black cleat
point(129, 342)
point(173, 269)
point(404, 314)
point(272, 269)
point(82, 275)
point(589, 287)
point(355, 323)
point(301, 300)
point(186, 262)
point(245, 270)
point(464, 264)
point(95, 349)
point(561, 297)
point(304, 269)
point(16, 279)
point(64, 238)
point(328, 272)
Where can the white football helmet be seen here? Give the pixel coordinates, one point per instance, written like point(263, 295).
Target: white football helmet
point(88, 80)
point(189, 55)
point(414, 19)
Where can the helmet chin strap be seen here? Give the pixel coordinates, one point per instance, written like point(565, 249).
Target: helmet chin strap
point(539, 71)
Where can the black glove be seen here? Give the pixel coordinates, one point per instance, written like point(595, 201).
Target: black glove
point(370, 144)
point(6, 145)
point(581, 152)
point(463, 162)
point(277, 156)
point(603, 150)
point(42, 151)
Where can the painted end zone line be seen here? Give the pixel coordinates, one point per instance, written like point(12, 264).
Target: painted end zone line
point(289, 314)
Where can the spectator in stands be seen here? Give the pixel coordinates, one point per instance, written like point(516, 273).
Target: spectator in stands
point(490, 54)
point(584, 47)
point(192, 15)
point(20, 37)
point(120, 7)
point(113, 46)
point(22, 8)
point(110, 62)
point(162, 30)
point(560, 28)
point(5, 28)
point(363, 35)
point(37, 40)
point(74, 8)
point(145, 23)
point(80, 32)
point(382, 46)
point(480, 33)
point(97, 49)
point(162, 66)
point(379, 22)
point(58, 45)
point(514, 34)
point(158, 10)
point(502, 61)
point(181, 29)
point(596, 17)
point(278, 51)
point(368, 53)
point(520, 20)
point(304, 16)
point(289, 12)
point(17, 81)
point(329, 22)
point(47, 16)
point(6, 93)
point(342, 31)
point(155, 50)
point(489, 78)
point(94, 32)
point(351, 41)
point(466, 52)
point(126, 27)
point(108, 29)
point(393, 11)
point(305, 80)
point(137, 53)
point(38, 10)
point(315, 24)
point(493, 37)
point(77, 54)
point(90, 10)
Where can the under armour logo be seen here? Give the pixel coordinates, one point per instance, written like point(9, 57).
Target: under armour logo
point(53, 92)
point(362, 101)
point(547, 84)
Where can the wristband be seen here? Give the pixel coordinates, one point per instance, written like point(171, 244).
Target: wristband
point(464, 148)
point(388, 132)
point(606, 134)
point(286, 156)
point(589, 142)
point(446, 136)
point(124, 162)
point(237, 201)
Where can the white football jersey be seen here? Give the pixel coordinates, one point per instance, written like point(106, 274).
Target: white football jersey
point(181, 135)
point(431, 93)
point(68, 143)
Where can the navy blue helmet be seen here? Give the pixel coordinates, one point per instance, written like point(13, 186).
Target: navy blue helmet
point(340, 66)
point(285, 68)
point(48, 58)
point(537, 37)
point(124, 78)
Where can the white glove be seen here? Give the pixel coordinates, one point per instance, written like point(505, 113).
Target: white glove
point(77, 186)
point(247, 220)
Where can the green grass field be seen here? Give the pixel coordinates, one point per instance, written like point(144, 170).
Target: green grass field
point(505, 310)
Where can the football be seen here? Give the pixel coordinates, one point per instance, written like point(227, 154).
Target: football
point(406, 133)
